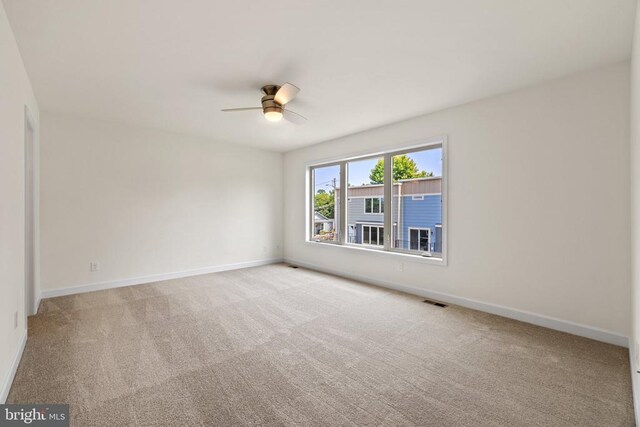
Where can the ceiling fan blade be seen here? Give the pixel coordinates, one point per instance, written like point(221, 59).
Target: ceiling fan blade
point(294, 117)
point(227, 110)
point(286, 93)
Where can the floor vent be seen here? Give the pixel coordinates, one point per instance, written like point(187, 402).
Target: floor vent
point(437, 304)
point(293, 266)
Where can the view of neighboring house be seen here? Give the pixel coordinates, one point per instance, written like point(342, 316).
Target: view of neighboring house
point(416, 214)
point(322, 224)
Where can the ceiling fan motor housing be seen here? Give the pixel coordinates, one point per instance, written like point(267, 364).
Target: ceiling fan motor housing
point(268, 102)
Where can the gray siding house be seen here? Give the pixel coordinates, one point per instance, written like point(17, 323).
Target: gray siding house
point(416, 214)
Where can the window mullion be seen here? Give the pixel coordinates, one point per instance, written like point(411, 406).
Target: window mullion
point(311, 202)
point(342, 231)
point(388, 196)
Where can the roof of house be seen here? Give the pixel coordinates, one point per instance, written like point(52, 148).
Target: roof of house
point(321, 218)
point(427, 185)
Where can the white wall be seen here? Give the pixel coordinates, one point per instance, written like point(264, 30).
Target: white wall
point(15, 93)
point(143, 202)
point(538, 202)
point(635, 210)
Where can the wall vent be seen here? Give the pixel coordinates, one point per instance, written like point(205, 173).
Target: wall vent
point(436, 303)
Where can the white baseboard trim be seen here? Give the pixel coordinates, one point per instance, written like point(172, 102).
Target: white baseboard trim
point(512, 313)
point(634, 380)
point(50, 293)
point(8, 381)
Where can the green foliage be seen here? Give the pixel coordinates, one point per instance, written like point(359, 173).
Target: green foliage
point(404, 167)
point(324, 203)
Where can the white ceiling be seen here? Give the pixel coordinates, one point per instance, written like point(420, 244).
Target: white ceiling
point(359, 63)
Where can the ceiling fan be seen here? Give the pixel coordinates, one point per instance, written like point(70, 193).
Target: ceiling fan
point(273, 102)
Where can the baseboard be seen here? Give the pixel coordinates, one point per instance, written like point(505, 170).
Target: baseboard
point(524, 316)
point(154, 278)
point(633, 357)
point(6, 386)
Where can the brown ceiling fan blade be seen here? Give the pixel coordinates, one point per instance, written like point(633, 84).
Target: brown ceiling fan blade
point(286, 93)
point(227, 110)
point(294, 117)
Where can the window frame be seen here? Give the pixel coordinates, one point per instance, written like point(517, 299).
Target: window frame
point(378, 234)
point(387, 250)
point(311, 201)
point(380, 205)
point(419, 229)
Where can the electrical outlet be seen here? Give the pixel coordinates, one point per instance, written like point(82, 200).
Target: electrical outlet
point(401, 266)
point(15, 320)
point(94, 266)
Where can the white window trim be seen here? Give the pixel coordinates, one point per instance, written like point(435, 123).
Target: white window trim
point(388, 252)
point(395, 196)
point(422, 194)
point(380, 204)
point(428, 230)
point(370, 226)
point(363, 224)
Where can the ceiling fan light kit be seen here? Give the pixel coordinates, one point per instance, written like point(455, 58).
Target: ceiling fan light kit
point(273, 115)
point(273, 103)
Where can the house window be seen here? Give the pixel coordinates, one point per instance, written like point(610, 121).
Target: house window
point(395, 201)
point(326, 211)
point(420, 239)
point(374, 205)
point(365, 201)
point(420, 203)
point(373, 235)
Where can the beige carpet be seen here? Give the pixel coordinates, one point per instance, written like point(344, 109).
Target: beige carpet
point(280, 346)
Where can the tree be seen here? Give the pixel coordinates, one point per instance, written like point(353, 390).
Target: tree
point(324, 203)
point(403, 168)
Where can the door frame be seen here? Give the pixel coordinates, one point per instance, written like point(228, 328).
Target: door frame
point(30, 213)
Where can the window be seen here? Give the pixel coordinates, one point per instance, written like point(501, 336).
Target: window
point(393, 202)
point(365, 201)
point(374, 205)
point(419, 239)
point(325, 181)
point(419, 204)
point(373, 235)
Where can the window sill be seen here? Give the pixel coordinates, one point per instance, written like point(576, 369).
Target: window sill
point(400, 256)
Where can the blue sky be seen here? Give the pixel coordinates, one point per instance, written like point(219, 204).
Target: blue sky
point(429, 161)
